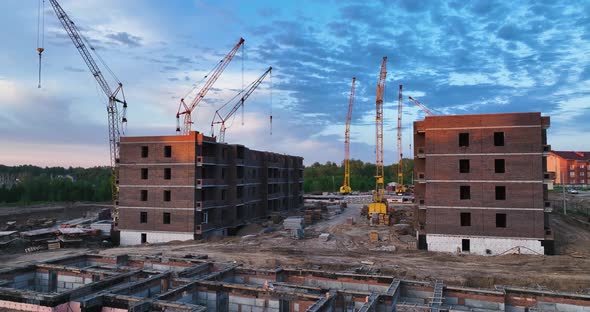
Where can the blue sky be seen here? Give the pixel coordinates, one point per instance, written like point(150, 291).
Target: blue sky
point(456, 57)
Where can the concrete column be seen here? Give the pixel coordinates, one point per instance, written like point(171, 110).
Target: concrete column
point(52, 281)
point(222, 301)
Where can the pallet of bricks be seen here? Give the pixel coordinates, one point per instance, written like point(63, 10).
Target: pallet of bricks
point(383, 219)
point(313, 213)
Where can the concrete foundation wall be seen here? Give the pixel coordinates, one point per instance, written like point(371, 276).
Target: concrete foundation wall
point(479, 245)
point(134, 237)
point(245, 304)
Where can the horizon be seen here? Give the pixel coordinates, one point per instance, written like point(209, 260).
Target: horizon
point(454, 57)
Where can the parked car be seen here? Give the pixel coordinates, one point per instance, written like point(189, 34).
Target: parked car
point(572, 191)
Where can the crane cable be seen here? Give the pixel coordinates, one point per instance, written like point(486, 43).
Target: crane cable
point(40, 34)
point(270, 103)
point(243, 55)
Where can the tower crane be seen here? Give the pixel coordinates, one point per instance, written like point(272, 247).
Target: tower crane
point(400, 189)
point(378, 208)
point(116, 118)
point(186, 110)
point(240, 103)
point(422, 106)
point(345, 188)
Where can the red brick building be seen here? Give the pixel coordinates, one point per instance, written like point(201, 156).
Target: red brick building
point(571, 167)
point(185, 187)
point(481, 183)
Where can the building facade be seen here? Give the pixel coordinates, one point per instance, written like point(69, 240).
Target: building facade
point(186, 187)
point(481, 183)
point(569, 168)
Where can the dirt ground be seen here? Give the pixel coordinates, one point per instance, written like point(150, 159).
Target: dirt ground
point(349, 249)
point(31, 217)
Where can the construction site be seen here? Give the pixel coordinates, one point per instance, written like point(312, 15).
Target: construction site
point(200, 224)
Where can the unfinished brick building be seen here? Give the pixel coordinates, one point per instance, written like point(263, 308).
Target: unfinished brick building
point(569, 168)
point(481, 183)
point(185, 187)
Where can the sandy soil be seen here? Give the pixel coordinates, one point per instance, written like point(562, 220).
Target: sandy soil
point(349, 249)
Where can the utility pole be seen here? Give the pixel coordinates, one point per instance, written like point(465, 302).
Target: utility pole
point(563, 192)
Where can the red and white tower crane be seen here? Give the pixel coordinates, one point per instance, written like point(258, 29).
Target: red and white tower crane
point(422, 106)
point(186, 110)
point(222, 119)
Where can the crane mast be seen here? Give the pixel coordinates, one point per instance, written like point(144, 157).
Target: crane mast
point(379, 185)
point(345, 188)
point(400, 189)
point(116, 119)
point(422, 106)
point(188, 109)
point(378, 210)
point(240, 103)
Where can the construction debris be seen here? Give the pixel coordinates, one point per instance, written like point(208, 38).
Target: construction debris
point(293, 223)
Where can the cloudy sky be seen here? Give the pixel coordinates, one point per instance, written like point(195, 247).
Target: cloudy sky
point(456, 57)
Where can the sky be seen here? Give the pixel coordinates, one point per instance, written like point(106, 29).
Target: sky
point(456, 57)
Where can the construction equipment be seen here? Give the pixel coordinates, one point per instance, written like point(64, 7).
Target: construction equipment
point(400, 189)
point(378, 208)
point(345, 188)
point(245, 94)
point(116, 119)
point(186, 110)
point(422, 106)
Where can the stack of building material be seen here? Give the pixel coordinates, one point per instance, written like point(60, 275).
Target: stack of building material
point(298, 233)
point(384, 219)
point(312, 215)
point(325, 237)
point(104, 226)
point(374, 236)
point(334, 210)
point(53, 244)
point(293, 223)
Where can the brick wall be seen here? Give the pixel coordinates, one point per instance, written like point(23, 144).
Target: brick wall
point(211, 185)
point(437, 163)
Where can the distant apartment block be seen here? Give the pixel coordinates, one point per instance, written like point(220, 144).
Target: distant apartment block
point(481, 183)
point(569, 168)
point(187, 187)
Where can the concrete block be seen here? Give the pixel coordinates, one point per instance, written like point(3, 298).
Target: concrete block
point(562, 307)
point(246, 308)
point(474, 303)
point(258, 309)
point(260, 302)
point(233, 307)
point(273, 304)
point(242, 300)
point(451, 300)
point(546, 306)
point(296, 307)
point(510, 308)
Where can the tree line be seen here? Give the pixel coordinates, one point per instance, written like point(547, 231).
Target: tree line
point(29, 184)
point(329, 176)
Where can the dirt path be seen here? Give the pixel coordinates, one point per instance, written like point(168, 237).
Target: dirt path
point(349, 247)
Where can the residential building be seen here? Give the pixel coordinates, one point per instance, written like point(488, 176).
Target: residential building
point(569, 168)
point(481, 183)
point(186, 187)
